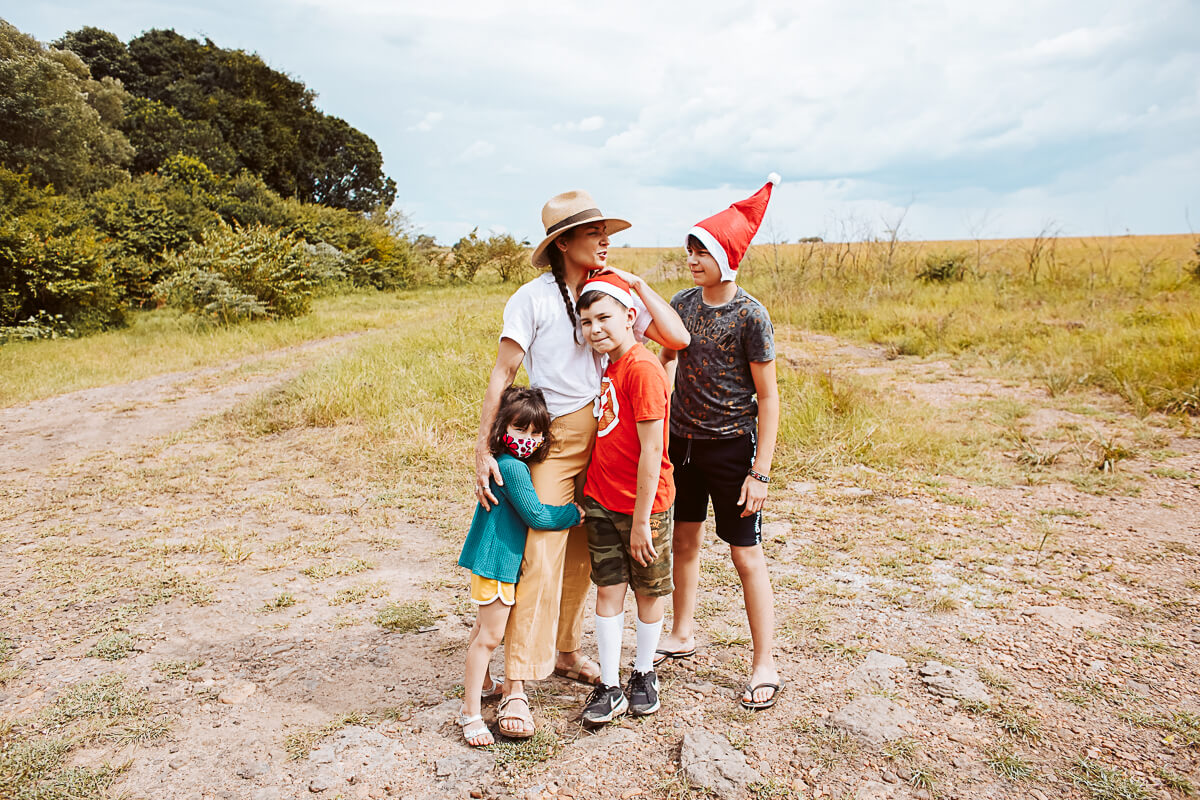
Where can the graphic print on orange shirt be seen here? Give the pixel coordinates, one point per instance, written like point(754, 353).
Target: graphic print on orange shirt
point(610, 408)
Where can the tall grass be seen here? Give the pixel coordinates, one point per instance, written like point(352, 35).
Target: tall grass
point(162, 341)
point(1118, 313)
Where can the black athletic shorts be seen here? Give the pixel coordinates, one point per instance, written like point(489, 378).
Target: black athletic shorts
point(715, 468)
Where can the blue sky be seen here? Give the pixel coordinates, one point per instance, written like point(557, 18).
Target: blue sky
point(978, 119)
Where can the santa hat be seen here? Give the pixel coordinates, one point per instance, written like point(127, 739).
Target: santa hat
point(611, 284)
point(727, 235)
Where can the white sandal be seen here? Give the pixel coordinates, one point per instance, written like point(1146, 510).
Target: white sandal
point(494, 690)
point(475, 733)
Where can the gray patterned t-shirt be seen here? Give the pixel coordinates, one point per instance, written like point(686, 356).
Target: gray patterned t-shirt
point(714, 390)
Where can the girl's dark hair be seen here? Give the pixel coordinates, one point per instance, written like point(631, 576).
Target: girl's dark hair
point(558, 268)
point(523, 407)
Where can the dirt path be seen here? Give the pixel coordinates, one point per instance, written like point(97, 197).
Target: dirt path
point(233, 585)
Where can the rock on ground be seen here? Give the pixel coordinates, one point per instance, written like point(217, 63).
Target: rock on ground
point(1065, 617)
point(874, 719)
point(875, 672)
point(710, 762)
point(960, 684)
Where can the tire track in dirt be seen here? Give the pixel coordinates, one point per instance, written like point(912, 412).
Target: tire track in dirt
point(69, 427)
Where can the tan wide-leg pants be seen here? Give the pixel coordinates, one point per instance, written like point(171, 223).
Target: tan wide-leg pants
point(556, 572)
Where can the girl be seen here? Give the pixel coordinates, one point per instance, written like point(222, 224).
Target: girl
point(496, 543)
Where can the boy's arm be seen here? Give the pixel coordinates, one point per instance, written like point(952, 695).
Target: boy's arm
point(665, 327)
point(670, 360)
point(650, 437)
point(533, 512)
point(754, 491)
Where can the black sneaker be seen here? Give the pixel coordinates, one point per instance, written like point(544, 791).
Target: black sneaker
point(643, 693)
point(604, 704)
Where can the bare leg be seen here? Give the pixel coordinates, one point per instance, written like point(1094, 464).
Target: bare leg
point(751, 565)
point(685, 550)
point(485, 638)
point(487, 669)
point(650, 609)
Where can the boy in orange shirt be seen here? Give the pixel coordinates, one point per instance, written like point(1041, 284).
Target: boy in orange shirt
point(627, 498)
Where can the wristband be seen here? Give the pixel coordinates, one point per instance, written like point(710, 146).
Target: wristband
point(758, 476)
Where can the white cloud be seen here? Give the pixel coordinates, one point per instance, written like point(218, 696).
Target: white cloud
point(479, 149)
point(585, 125)
point(1029, 109)
point(428, 121)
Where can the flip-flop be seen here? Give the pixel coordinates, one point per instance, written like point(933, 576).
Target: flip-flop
point(586, 672)
point(661, 656)
point(770, 701)
point(527, 716)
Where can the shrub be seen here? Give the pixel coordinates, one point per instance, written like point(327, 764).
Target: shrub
point(234, 274)
point(500, 252)
point(53, 275)
point(943, 268)
point(1195, 270)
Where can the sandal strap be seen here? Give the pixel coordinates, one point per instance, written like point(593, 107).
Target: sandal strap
point(464, 721)
point(514, 696)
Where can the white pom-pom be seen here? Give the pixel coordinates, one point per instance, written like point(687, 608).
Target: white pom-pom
point(774, 178)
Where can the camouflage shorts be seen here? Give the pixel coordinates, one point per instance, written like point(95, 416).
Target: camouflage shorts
point(608, 543)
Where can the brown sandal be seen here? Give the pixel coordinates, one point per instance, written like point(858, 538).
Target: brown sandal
point(586, 672)
point(502, 713)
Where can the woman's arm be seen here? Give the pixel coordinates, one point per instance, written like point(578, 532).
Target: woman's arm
point(508, 361)
point(532, 511)
point(665, 327)
point(754, 491)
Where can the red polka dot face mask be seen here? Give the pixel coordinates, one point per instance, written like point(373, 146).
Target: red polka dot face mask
point(522, 446)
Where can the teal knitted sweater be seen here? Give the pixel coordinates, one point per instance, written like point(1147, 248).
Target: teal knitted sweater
point(496, 541)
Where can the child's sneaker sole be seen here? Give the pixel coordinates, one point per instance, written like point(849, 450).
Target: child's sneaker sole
point(645, 712)
point(620, 709)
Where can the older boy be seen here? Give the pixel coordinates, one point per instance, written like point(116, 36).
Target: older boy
point(627, 498)
point(724, 420)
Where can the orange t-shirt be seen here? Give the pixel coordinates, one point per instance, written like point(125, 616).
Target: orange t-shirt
point(633, 390)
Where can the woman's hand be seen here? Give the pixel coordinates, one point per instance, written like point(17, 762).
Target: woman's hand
point(486, 470)
point(579, 508)
point(635, 282)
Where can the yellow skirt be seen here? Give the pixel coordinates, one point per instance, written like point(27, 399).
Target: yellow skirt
point(486, 590)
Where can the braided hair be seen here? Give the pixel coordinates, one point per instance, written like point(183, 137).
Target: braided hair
point(558, 269)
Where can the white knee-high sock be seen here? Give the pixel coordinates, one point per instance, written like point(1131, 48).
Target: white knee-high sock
point(648, 634)
point(609, 631)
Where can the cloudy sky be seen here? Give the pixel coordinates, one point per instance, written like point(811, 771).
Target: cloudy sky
point(970, 119)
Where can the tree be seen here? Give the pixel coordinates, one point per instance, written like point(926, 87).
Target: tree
point(105, 54)
point(158, 132)
point(346, 169)
point(56, 122)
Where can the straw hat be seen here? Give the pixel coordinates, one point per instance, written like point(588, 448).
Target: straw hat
point(570, 210)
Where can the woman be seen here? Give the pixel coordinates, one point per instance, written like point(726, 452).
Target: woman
point(540, 330)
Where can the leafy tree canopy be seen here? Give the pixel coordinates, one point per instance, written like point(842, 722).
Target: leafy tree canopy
point(231, 110)
point(57, 123)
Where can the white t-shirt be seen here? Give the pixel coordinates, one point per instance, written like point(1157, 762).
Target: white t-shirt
point(567, 372)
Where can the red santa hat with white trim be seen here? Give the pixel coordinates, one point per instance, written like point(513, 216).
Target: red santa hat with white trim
point(611, 284)
point(727, 235)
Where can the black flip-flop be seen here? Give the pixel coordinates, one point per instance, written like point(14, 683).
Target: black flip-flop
point(770, 701)
point(662, 656)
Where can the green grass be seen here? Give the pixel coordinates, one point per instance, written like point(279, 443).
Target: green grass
point(527, 753)
point(163, 341)
point(1105, 783)
point(1001, 760)
point(112, 646)
point(34, 753)
point(407, 617)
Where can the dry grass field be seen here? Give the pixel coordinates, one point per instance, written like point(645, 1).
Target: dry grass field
point(231, 553)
